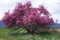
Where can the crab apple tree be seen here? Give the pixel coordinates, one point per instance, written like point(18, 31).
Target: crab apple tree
point(32, 19)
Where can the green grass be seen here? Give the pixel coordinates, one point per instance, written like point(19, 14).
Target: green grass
point(24, 36)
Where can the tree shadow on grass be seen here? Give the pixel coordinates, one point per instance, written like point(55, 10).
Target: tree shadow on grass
point(18, 34)
point(45, 34)
point(22, 34)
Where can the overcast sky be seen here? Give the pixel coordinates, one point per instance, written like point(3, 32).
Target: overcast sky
point(52, 6)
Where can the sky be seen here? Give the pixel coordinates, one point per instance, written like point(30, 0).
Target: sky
point(53, 6)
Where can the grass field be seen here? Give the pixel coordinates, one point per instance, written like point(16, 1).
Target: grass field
point(24, 36)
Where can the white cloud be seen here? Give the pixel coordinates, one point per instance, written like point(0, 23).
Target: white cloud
point(53, 6)
point(6, 5)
